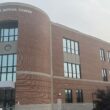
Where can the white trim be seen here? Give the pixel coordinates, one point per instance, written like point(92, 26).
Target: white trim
point(34, 73)
point(85, 80)
point(7, 84)
point(61, 77)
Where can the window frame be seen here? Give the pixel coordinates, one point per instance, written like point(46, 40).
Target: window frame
point(72, 50)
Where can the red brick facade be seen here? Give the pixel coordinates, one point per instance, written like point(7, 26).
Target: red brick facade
point(41, 58)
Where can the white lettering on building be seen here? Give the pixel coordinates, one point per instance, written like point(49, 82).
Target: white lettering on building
point(16, 10)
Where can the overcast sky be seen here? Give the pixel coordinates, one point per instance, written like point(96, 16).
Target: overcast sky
point(88, 16)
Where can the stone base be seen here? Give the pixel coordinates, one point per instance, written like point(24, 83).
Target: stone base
point(74, 106)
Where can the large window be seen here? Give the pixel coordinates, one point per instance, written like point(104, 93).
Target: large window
point(102, 55)
point(72, 70)
point(8, 67)
point(71, 46)
point(8, 31)
point(68, 96)
point(79, 94)
point(104, 74)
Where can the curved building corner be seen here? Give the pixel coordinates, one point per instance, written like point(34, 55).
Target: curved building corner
point(25, 39)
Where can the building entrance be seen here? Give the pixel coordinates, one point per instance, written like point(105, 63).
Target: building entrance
point(7, 98)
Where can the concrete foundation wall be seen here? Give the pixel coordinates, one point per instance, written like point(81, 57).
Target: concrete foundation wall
point(84, 106)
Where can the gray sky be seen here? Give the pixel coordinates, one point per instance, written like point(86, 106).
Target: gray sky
point(88, 16)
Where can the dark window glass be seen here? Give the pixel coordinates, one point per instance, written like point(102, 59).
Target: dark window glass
point(104, 74)
point(72, 70)
point(71, 46)
point(79, 94)
point(7, 98)
point(8, 31)
point(8, 67)
point(68, 96)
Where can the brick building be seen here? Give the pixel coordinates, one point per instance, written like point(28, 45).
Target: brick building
point(41, 61)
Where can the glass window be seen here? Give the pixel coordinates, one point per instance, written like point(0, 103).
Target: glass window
point(9, 77)
point(14, 77)
point(108, 56)
point(1, 32)
point(16, 31)
point(3, 77)
point(64, 45)
point(104, 74)
point(72, 70)
point(11, 32)
point(102, 55)
point(4, 63)
point(79, 94)
point(8, 31)
point(10, 60)
point(70, 46)
point(78, 71)
point(68, 96)
point(76, 48)
point(65, 70)
point(8, 67)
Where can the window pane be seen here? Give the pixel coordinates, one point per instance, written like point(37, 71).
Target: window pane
point(10, 60)
point(14, 69)
point(7, 67)
point(65, 70)
point(74, 69)
point(74, 75)
point(15, 59)
point(64, 42)
point(11, 38)
point(78, 71)
point(5, 39)
point(3, 77)
point(10, 69)
point(64, 45)
point(0, 59)
point(68, 96)
point(9, 77)
point(4, 63)
point(14, 77)
point(11, 32)
point(16, 31)
point(70, 70)
point(76, 47)
point(6, 32)
point(68, 46)
point(16, 37)
point(72, 46)
point(1, 32)
point(4, 69)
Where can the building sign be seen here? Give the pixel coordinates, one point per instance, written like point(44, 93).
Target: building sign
point(16, 10)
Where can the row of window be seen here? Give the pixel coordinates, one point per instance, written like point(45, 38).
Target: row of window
point(70, 46)
point(8, 31)
point(8, 67)
point(69, 95)
point(102, 55)
point(72, 70)
point(8, 34)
